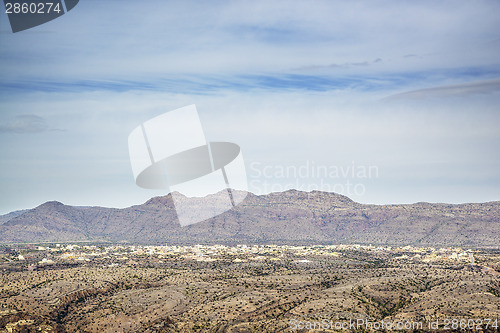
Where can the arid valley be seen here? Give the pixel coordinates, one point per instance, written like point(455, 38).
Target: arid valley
point(246, 288)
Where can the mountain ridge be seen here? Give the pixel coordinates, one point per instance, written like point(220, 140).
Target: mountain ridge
point(282, 217)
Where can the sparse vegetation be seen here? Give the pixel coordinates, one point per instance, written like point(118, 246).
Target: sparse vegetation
point(131, 290)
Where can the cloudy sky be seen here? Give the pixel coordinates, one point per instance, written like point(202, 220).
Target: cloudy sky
point(407, 89)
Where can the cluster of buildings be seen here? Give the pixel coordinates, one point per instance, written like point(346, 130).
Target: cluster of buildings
point(238, 253)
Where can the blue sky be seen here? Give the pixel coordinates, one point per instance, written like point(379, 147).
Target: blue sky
point(412, 88)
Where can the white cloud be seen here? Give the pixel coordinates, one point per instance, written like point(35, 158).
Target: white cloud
point(127, 39)
point(291, 83)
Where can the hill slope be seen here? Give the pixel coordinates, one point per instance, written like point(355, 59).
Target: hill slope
point(287, 217)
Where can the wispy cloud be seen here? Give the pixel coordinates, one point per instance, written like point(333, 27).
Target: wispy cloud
point(28, 123)
point(343, 65)
point(464, 89)
point(201, 84)
point(253, 37)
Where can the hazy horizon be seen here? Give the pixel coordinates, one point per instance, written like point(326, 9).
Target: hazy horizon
point(262, 194)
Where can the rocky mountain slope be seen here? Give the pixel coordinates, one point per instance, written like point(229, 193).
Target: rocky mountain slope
point(286, 217)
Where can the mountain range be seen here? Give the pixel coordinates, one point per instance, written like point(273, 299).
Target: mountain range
point(292, 217)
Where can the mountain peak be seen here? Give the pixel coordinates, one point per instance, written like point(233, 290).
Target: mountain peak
point(160, 201)
point(51, 205)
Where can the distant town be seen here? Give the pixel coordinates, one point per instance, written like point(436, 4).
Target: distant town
point(41, 255)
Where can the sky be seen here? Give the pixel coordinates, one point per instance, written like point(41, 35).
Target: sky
point(384, 101)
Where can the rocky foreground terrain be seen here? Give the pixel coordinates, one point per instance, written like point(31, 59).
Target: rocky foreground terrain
point(287, 217)
point(247, 289)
